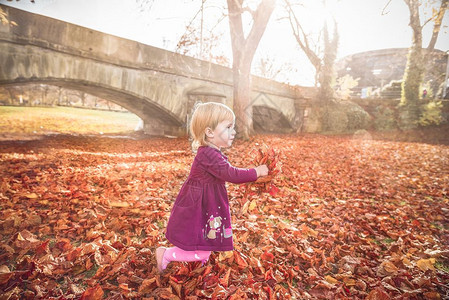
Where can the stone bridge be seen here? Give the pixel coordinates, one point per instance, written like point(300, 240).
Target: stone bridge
point(159, 86)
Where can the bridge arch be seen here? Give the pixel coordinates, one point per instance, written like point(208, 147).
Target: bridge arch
point(157, 102)
point(162, 120)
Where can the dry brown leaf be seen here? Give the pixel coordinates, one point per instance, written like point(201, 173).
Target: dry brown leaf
point(426, 264)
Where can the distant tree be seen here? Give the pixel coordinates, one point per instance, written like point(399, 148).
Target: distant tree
point(7, 95)
point(322, 57)
point(270, 68)
point(327, 75)
point(203, 42)
point(414, 72)
point(243, 50)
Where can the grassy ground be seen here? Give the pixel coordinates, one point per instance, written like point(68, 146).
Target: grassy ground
point(45, 120)
point(22, 123)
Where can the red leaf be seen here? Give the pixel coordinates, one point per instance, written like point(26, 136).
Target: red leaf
point(42, 248)
point(273, 190)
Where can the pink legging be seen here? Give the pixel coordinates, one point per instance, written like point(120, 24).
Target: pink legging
point(177, 254)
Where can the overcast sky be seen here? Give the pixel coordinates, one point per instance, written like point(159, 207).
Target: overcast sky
point(363, 25)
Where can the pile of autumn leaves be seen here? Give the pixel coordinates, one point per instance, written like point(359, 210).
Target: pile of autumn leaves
point(81, 218)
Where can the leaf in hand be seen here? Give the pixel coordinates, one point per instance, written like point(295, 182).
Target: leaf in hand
point(265, 155)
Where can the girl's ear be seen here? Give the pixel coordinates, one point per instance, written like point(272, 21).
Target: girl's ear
point(209, 132)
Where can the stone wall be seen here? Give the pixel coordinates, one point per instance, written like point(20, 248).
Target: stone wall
point(378, 69)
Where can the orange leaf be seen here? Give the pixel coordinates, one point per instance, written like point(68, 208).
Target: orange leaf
point(32, 196)
point(225, 280)
point(267, 256)
point(4, 277)
point(119, 204)
point(145, 287)
point(224, 255)
point(124, 287)
point(378, 294)
point(93, 293)
point(239, 260)
point(387, 268)
point(426, 264)
point(330, 279)
point(432, 296)
point(73, 255)
point(252, 205)
point(207, 271)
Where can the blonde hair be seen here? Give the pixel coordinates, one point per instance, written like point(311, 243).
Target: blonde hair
point(207, 115)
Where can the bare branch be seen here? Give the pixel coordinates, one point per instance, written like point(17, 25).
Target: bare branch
point(260, 18)
point(301, 37)
point(385, 7)
point(437, 24)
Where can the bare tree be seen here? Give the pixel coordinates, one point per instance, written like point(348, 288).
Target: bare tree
point(243, 50)
point(323, 61)
point(266, 67)
point(202, 41)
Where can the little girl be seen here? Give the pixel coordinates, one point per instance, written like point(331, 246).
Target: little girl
point(200, 220)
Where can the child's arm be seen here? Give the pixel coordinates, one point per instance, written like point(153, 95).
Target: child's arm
point(219, 167)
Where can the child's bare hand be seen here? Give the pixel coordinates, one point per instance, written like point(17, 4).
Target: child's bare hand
point(262, 170)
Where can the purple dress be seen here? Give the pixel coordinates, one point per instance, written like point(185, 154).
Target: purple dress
point(200, 218)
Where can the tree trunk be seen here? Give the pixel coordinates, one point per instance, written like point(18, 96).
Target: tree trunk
point(326, 75)
point(44, 95)
point(12, 97)
point(414, 71)
point(242, 103)
point(243, 50)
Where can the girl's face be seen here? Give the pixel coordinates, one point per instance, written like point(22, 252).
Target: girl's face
point(223, 135)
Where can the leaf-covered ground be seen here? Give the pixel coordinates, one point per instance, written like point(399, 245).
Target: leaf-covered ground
point(81, 217)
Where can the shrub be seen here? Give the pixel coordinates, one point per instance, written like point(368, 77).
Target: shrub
point(384, 118)
point(345, 116)
point(431, 114)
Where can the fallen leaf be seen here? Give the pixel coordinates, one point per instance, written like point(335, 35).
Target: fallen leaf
point(32, 196)
point(330, 279)
point(426, 264)
point(93, 293)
